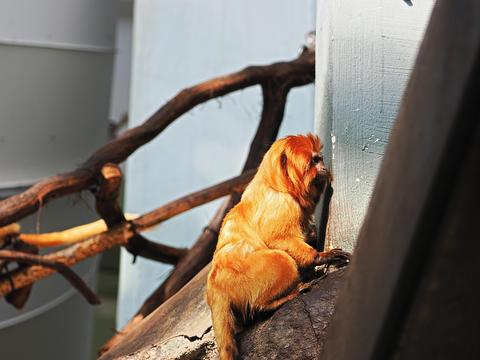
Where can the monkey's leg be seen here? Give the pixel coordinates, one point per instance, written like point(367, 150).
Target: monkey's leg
point(276, 303)
point(277, 279)
point(302, 253)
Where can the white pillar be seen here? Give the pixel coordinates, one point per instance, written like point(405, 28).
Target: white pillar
point(365, 52)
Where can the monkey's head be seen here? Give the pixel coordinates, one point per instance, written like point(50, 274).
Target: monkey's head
point(295, 165)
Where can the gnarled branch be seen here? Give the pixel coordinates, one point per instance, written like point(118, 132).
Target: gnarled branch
point(275, 93)
point(120, 234)
point(54, 265)
point(296, 73)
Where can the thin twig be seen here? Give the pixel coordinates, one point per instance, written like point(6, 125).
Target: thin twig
point(19, 297)
point(75, 280)
point(69, 236)
point(106, 195)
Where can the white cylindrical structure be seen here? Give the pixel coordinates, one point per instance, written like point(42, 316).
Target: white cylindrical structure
point(55, 74)
point(55, 70)
point(56, 322)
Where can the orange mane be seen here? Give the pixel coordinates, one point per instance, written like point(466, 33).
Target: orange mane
point(286, 167)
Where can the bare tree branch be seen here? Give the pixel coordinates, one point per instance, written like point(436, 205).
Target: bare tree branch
point(99, 172)
point(120, 234)
point(296, 73)
point(75, 280)
point(274, 100)
point(154, 251)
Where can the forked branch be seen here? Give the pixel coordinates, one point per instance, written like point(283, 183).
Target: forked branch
point(54, 265)
point(274, 100)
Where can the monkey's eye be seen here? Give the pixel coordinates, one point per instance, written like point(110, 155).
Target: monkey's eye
point(317, 158)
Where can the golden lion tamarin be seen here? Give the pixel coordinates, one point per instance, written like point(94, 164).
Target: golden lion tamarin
point(261, 250)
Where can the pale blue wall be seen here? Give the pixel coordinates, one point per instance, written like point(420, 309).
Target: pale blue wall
point(177, 44)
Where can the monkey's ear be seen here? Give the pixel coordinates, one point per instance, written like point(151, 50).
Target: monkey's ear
point(283, 160)
point(283, 164)
point(285, 179)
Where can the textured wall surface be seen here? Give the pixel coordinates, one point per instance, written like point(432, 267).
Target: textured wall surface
point(365, 52)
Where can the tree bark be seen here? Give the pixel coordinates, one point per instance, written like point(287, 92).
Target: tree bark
point(181, 328)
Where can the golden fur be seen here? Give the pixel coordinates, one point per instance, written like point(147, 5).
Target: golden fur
point(261, 247)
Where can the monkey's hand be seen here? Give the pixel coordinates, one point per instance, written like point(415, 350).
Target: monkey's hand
point(335, 257)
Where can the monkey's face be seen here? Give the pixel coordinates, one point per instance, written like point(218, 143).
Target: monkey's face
point(322, 176)
point(295, 165)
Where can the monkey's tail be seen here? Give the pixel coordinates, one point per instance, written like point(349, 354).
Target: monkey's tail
point(223, 326)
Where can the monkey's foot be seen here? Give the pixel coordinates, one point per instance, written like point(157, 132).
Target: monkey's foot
point(335, 257)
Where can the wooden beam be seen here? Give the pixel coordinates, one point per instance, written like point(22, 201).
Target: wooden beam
point(410, 293)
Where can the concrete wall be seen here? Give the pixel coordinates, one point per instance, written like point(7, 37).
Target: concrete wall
point(365, 52)
point(180, 43)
